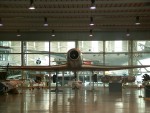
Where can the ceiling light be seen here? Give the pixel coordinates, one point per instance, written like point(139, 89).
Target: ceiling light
point(53, 34)
point(31, 5)
point(45, 22)
point(137, 21)
point(91, 21)
point(128, 33)
point(1, 24)
point(91, 33)
point(92, 7)
point(18, 33)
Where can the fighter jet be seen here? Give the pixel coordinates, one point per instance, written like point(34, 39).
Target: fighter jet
point(74, 63)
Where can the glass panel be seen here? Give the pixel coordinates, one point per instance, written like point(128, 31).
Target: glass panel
point(85, 77)
point(143, 46)
point(64, 79)
point(93, 58)
point(116, 46)
point(116, 59)
point(61, 46)
point(15, 47)
point(58, 58)
point(36, 59)
point(36, 47)
point(91, 46)
point(4, 43)
point(68, 78)
point(12, 59)
point(141, 59)
point(10, 47)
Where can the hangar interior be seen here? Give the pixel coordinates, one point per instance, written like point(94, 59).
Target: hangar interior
point(40, 32)
point(46, 53)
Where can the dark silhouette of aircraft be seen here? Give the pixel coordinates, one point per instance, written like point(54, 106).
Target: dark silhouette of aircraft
point(74, 63)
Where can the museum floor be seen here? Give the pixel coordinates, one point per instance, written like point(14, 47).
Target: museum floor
point(71, 101)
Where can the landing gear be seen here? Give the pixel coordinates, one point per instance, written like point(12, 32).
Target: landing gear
point(55, 79)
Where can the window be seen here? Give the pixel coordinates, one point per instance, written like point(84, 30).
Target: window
point(61, 46)
point(91, 46)
point(116, 46)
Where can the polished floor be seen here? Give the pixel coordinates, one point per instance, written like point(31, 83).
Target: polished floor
point(72, 101)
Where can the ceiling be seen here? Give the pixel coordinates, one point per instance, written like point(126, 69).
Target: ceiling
point(74, 15)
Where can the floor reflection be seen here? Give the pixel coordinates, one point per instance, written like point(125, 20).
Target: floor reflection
point(74, 101)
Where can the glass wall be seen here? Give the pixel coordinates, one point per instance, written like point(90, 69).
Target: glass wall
point(36, 47)
point(36, 53)
point(10, 52)
point(37, 59)
point(116, 54)
point(92, 52)
point(58, 58)
point(91, 46)
point(116, 46)
point(141, 55)
point(141, 46)
point(61, 46)
point(45, 53)
point(116, 59)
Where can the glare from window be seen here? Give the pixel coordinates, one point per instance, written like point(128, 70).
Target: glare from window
point(118, 46)
point(140, 45)
point(94, 46)
point(144, 62)
point(46, 46)
point(45, 61)
point(70, 45)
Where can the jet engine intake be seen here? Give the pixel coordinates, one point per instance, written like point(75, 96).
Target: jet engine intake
point(74, 58)
point(74, 54)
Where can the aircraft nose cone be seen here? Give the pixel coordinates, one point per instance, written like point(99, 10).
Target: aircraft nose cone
point(74, 54)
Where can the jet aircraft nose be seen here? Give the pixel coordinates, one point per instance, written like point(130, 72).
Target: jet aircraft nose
point(74, 54)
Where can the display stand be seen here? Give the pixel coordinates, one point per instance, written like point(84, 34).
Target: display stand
point(56, 88)
point(147, 91)
point(115, 87)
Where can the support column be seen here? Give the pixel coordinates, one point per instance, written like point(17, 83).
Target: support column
point(130, 61)
point(76, 44)
point(104, 60)
point(63, 82)
point(23, 63)
point(49, 65)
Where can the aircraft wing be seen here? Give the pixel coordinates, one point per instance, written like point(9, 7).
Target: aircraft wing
point(109, 68)
point(39, 68)
point(74, 63)
point(83, 67)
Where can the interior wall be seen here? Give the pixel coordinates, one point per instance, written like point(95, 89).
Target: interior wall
point(74, 36)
